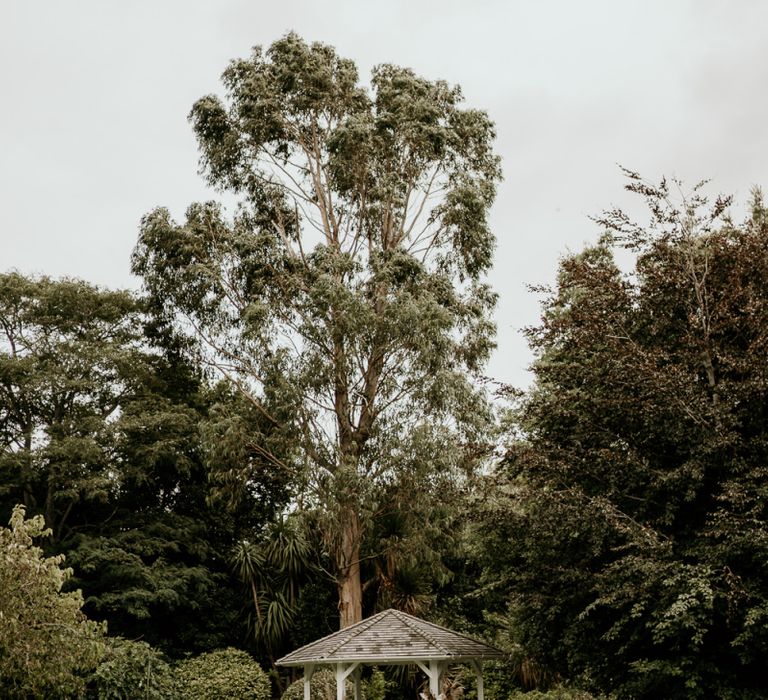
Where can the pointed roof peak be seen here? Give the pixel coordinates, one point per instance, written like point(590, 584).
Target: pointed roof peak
point(391, 637)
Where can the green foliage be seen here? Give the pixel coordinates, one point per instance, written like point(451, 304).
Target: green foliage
point(224, 674)
point(101, 429)
point(316, 614)
point(376, 686)
point(558, 693)
point(132, 670)
point(158, 575)
point(345, 296)
point(629, 523)
point(47, 645)
point(323, 687)
point(272, 572)
point(68, 354)
point(415, 542)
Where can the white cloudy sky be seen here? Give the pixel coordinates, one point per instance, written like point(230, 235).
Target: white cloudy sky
point(94, 96)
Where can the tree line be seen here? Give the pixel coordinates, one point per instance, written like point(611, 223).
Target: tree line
point(288, 428)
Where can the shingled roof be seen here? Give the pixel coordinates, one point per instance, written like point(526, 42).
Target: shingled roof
point(391, 637)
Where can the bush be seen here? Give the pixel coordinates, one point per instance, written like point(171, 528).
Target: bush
point(47, 645)
point(376, 687)
point(558, 693)
point(224, 674)
point(323, 687)
point(133, 671)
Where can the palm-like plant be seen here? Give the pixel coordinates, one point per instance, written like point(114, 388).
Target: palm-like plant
point(272, 570)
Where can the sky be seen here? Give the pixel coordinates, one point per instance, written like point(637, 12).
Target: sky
point(94, 96)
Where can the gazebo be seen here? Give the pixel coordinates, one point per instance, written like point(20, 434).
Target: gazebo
point(388, 639)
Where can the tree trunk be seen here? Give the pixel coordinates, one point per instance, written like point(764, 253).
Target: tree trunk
point(27, 469)
point(348, 568)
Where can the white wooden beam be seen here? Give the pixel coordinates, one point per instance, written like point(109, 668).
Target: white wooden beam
point(435, 671)
point(422, 665)
point(341, 679)
point(479, 669)
point(358, 693)
point(309, 671)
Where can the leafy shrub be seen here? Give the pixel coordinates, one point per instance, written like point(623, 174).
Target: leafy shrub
point(323, 687)
point(376, 687)
point(558, 693)
point(224, 674)
point(133, 671)
point(47, 645)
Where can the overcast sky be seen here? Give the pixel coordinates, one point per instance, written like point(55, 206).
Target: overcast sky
point(94, 96)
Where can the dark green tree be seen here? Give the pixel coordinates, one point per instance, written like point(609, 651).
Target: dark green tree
point(69, 353)
point(156, 565)
point(348, 283)
point(102, 429)
point(629, 523)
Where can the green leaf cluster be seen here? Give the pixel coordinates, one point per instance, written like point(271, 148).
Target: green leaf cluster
point(273, 571)
point(344, 297)
point(629, 519)
point(133, 670)
point(47, 646)
point(323, 687)
point(224, 674)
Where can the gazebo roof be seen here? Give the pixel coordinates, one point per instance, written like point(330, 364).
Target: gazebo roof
point(391, 637)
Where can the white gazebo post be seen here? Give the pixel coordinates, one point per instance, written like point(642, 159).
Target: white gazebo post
point(341, 680)
point(479, 668)
point(433, 671)
point(434, 677)
point(358, 693)
point(309, 670)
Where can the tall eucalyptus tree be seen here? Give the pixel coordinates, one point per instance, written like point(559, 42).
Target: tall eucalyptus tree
point(349, 284)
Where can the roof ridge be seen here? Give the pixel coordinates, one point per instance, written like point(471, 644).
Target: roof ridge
point(355, 630)
point(404, 618)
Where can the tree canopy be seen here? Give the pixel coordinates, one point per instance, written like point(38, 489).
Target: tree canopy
point(345, 297)
point(68, 356)
point(631, 520)
point(102, 429)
